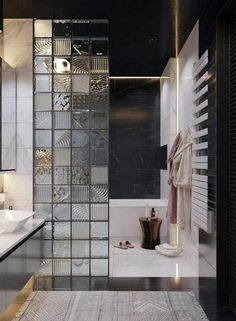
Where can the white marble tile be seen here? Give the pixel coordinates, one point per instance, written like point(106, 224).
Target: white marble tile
point(18, 32)
point(8, 135)
point(8, 84)
point(20, 59)
point(24, 161)
point(8, 159)
point(22, 188)
point(8, 110)
point(24, 110)
point(25, 135)
point(24, 84)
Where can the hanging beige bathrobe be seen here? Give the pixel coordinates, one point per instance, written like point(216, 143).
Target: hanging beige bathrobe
point(182, 167)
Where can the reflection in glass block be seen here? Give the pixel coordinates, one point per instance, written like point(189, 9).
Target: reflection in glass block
point(99, 267)
point(99, 212)
point(80, 230)
point(46, 248)
point(99, 65)
point(99, 193)
point(99, 120)
point(80, 212)
point(43, 120)
point(46, 231)
point(80, 83)
point(99, 138)
point(61, 102)
point(43, 28)
point(62, 138)
point(80, 47)
point(80, 193)
point(81, 28)
point(80, 120)
point(99, 84)
point(61, 156)
point(99, 157)
point(43, 175)
point(62, 120)
point(45, 269)
point(61, 65)
point(80, 138)
point(80, 65)
point(61, 248)
point(80, 267)
point(43, 65)
point(43, 101)
point(61, 83)
point(42, 193)
point(99, 230)
point(80, 156)
point(61, 193)
point(99, 47)
point(61, 267)
point(61, 175)
point(80, 248)
point(99, 249)
point(43, 157)
point(61, 28)
point(43, 211)
point(80, 101)
point(43, 47)
point(61, 230)
point(99, 101)
point(61, 212)
point(43, 138)
point(43, 83)
point(99, 175)
point(62, 47)
point(80, 175)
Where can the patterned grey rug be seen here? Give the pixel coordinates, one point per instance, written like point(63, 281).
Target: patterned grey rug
point(111, 306)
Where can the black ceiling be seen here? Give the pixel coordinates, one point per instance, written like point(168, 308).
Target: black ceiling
point(142, 33)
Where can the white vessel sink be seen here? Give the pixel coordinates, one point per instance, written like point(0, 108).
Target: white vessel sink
point(11, 220)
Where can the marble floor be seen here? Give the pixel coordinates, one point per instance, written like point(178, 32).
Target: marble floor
point(139, 262)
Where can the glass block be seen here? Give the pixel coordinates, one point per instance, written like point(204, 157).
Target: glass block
point(80, 120)
point(99, 157)
point(43, 65)
point(62, 120)
point(61, 249)
point(45, 269)
point(80, 83)
point(80, 193)
point(99, 175)
point(62, 138)
point(61, 175)
point(61, 65)
point(43, 211)
point(99, 101)
point(43, 175)
point(80, 175)
point(80, 65)
point(99, 249)
point(46, 248)
point(61, 28)
point(80, 230)
point(99, 193)
point(99, 47)
point(99, 230)
point(99, 120)
point(43, 193)
point(61, 83)
point(43, 120)
point(61, 193)
point(80, 267)
point(62, 47)
point(61, 212)
point(43, 28)
point(61, 102)
point(99, 267)
point(80, 47)
point(43, 101)
point(62, 156)
point(80, 101)
point(43, 157)
point(99, 212)
point(43, 138)
point(43, 47)
point(80, 138)
point(80, 156)
point(80, 248)
point(61, 230)
point(99, 65)
point(61, 267)
point(99, 84)
point(99, 138)
point(42, 83)
point(81, 28)
point(80, 212)
point(46, 231)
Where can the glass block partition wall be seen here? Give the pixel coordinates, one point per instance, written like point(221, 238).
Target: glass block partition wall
point(71, 102)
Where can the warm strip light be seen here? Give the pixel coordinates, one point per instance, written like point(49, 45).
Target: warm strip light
point(138, 77)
